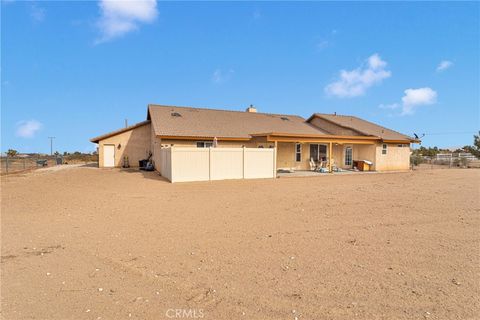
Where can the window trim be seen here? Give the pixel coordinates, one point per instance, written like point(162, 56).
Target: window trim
point(205, 144)
point(384, 149)
point(298, 152)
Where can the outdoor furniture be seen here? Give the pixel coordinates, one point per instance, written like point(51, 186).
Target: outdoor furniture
point(362, 165)
point(313, 166)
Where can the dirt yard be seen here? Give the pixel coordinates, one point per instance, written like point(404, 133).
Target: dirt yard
point(88, 243)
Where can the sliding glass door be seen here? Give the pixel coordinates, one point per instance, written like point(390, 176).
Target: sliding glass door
point(318, 152)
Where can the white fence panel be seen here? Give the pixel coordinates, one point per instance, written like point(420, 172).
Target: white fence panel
point(201, 164)
point(226, 163)
point(166, 163)
point(190, 164)
point(259, 163)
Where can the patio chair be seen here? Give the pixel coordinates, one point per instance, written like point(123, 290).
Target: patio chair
point(334, 166)
point(313, 166)
point(322, 166)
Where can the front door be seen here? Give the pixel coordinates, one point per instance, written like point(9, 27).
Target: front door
point(348, 156)
point(109, 155)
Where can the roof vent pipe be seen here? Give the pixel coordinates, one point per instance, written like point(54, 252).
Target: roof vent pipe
point(251, 109)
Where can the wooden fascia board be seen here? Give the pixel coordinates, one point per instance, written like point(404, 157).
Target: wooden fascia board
point(275, 135)
point(201, 138)
point(400, 141)
point(319, 140)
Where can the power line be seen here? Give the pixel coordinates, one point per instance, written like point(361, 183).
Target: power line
point(453, 132)
point(51, 145)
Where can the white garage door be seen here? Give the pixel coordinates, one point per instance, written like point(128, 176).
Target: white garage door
point(109, 155)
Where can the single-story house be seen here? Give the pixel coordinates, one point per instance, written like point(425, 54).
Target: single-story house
point(338, 140)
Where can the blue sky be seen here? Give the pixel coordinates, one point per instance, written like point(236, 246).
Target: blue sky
point(75, 70)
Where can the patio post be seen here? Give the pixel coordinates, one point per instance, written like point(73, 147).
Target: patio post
point(330, 157)
point(275, 159)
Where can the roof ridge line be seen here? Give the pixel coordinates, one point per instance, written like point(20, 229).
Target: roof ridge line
point(225, 110)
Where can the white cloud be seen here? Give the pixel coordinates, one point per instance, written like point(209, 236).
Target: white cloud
point(28, 129)
point(356, 82)
point(417, 97)
point(220, 76)
point(412, 99)
point(444, 65)
point(119, 17)
point(37, 13)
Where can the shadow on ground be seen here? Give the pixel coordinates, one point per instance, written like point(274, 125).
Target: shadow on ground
point(154, 175)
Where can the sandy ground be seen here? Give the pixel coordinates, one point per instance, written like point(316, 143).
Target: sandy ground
point(88, 243)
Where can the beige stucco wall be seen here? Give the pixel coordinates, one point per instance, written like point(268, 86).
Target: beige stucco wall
point(397, 158)
point(156, 144)
point(332, 128)
point(134, 143)
point(286, 155)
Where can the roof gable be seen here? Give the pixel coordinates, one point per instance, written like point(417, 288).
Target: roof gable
point(363, 127)
point(119, 131)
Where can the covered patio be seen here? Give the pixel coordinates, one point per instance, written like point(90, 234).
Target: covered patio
point(323, 153)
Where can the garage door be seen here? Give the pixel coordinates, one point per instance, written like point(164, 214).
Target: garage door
point(109, 155)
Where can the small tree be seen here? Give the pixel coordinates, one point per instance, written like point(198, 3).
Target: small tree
point(416, 159)
point(12, 152)
point(475, 149)
point(476, 145)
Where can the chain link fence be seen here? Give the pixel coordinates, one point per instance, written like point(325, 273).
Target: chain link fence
point(447, 162)
point(18, 164)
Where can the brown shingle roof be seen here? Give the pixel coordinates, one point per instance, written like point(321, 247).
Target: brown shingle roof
point(199, 122)
point(363, 127)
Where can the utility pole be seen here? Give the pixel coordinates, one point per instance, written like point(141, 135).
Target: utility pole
point(51, 145)
point(126, 123)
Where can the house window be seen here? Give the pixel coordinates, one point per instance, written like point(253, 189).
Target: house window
point(400, 145)
point(298, 152)
point(348, 156)
point(204, 144)
point(384, 149)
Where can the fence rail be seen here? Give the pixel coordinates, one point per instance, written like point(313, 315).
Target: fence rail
point(16, 164)
point(19, 164)
point(424, 162)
